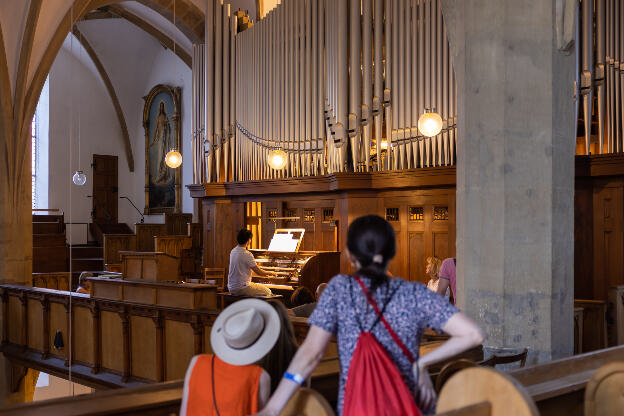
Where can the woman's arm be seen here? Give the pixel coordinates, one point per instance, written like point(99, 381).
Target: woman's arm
point(443, 284)
point(465, 334)
point(264, 389)
point(304, 362)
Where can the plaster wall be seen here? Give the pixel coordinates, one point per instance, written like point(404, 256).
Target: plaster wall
point(135, 63)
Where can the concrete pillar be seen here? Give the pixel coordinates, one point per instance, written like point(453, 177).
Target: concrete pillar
point(515, 173)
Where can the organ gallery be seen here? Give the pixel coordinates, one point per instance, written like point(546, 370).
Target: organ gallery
point(487, 133)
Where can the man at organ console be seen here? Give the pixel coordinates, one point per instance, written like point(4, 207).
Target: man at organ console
point(242, 262)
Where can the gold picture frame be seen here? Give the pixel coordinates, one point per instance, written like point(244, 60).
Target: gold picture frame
point(161, 122)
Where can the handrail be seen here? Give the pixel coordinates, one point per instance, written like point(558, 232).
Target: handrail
point(135, 207)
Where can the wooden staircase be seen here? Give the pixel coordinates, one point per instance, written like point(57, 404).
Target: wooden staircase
point(86, 258)
point(98, 229)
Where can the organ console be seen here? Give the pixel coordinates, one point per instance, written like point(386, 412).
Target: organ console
point(294, 268)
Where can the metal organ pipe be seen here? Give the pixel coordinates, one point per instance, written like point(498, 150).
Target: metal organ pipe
point(209, 83)
point(599, 70)
point(355, 84)
point(319, 79)
point(378, 71)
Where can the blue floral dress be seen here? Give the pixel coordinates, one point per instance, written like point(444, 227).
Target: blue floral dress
point(411, 309)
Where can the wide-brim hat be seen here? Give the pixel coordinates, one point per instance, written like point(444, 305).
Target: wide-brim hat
point(245, 331)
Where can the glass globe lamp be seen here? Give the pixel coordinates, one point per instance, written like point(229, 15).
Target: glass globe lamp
point(277, 159)
point(430, 124)
point(173, 159)
point(79, 178)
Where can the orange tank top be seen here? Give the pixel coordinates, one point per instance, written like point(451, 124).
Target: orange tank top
point(236, 388)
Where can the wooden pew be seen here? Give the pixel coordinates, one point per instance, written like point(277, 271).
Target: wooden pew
point(164, 399)
point(558, 386)
point(489, 392)
point(114, 243)
point(616, 311)
point(603, 395)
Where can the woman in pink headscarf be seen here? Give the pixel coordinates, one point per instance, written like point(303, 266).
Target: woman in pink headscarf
point(447, 278)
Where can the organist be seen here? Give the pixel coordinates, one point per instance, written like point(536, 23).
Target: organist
point(242, 262)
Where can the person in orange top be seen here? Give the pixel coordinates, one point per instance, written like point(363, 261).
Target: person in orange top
point(227, 383)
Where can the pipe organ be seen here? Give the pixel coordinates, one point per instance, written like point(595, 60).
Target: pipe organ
point(600, 75)
point(337, 85)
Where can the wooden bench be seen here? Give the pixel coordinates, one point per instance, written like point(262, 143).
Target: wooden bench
point(558, 386)
point(227, 298)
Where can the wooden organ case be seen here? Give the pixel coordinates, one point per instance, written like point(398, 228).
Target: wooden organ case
point(294, 268)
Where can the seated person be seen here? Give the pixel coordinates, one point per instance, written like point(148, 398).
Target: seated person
point(84, 286)
point(227, 382)
point(433, 271)
point(276, 361)
point(242, 262)
point(447, 279)
point(304, 302)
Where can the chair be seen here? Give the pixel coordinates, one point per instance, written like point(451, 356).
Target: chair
point(497, 359)
point(217, 274)
point(449, 369)
point(604, 391)
point(306, 402)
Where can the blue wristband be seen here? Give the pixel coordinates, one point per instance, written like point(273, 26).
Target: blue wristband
point(295, 378)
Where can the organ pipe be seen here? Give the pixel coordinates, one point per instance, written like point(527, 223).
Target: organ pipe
point(320, 80)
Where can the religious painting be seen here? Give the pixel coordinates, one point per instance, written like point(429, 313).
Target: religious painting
point(161, 121)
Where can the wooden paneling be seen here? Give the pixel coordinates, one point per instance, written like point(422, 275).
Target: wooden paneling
point(608, 244)
point(440, 245)
point(176, 224)
point(16, 323)
point(583, 240)
point(112, 348)
point(58, 323)
point(145, 234)
point(58, 281)
point(143, 346)
point(114, 243)
point(177, 355)
point(172, 244)
point(594, 323)
point(416, 264)
point(82, 330)
point(35, 325)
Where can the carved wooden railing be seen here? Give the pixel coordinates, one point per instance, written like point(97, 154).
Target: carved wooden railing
point(59, 281)
point(112, 343)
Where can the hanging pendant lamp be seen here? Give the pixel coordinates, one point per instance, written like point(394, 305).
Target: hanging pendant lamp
point(430, 123)
point(79, 177)
point(173, 158)
point(277, 159)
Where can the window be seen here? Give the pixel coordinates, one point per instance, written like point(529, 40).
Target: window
point(416, 213)
point(328, 214)
point(392, 214)
point(308, 215)
point(34, 158)
point(440, 213)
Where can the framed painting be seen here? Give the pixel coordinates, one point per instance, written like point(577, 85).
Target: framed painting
point(161, 121)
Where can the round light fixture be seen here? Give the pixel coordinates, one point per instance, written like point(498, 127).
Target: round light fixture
point(79, 178)
point(277, 159)
point(430, 123)
point(173, 159)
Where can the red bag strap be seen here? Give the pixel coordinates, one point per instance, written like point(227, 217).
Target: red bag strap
point(393, 334)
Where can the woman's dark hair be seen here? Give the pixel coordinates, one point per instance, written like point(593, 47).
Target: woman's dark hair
point(277, 360)
point(243, 236)
point(302, 296)
point(370, 239)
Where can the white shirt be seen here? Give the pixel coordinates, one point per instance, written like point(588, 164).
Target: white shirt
point(433, 286)
point(241, 263)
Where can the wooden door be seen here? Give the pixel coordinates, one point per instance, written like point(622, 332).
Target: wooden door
point(105, 190)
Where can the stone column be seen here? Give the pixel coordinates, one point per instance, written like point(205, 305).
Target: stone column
point(515, 173)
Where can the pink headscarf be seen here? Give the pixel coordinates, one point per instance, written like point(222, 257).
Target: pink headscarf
point(447, 271)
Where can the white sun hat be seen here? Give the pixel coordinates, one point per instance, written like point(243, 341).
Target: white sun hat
point(245, 331)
